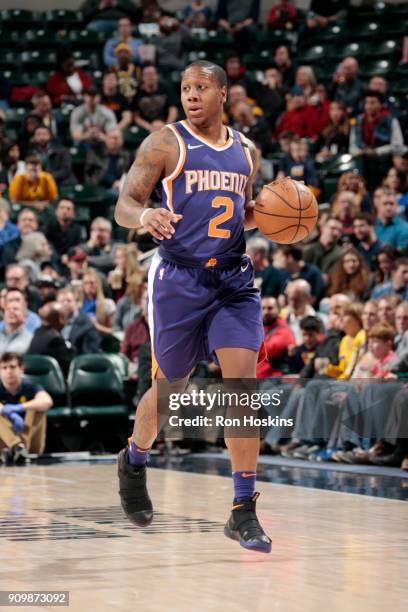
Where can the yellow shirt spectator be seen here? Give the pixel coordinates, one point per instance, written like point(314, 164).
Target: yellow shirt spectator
point(34, 185)
point(350, 351)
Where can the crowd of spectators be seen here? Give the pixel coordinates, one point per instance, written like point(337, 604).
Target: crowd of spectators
point(335, 307)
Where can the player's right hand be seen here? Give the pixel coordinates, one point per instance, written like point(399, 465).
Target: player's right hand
point(157, 221)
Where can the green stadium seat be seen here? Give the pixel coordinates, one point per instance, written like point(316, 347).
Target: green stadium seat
point(331, 34)
point(272, 38)
point(353, 49)
point(120, 362)
point(87, 39)
point(329, 187)
point(315, 54)
point(381, 66)
point(14, 117)
point(45, 371)
point(18, 19)
point(10, 59)
point(96, 387)
point(39, 59)
point(133, 136)
point(40, 39)
point(64, 20)
point(384, 49)
point(9, 39)
point(218, 38)
point(83, 195)
point(37, 78)
point(259, 60)
point(88, 60)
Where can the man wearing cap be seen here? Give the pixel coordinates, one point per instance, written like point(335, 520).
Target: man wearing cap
point(124, 35)
point(77, 264)
point(297, 117)
point(90, 121)
point(127, 72)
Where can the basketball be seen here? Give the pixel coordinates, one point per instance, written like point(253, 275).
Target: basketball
point(286, 211)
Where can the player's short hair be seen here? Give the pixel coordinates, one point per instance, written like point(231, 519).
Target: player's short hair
point(11, 356)
point(217, 72)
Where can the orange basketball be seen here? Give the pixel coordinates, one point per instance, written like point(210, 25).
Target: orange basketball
point(286, 211)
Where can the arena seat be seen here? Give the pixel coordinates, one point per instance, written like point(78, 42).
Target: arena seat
point(96, 387)
point(384, 49)
point(380, 66)
point(133, 136)
point(18, 19)
point(62, 19)
point(45, 371)
point(354, 49)
point(40, 39)
point(14, 117)
point(331, 34)
point(87, 39)
point(120, 362)
point(38, 59)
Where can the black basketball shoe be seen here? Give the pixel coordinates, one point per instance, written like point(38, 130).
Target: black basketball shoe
point(243, 526)
point(133, 492)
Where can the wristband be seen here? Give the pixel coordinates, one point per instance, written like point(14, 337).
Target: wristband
point(142, 215)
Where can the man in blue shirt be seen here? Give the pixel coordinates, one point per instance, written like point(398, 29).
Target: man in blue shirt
point(124, 35)
point(8, 230)
point(398, 285)
point(22, 412)
point(389, 227)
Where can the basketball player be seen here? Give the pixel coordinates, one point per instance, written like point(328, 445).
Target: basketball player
point(200, 288)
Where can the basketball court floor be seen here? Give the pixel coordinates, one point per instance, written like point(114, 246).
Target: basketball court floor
point(339, 538)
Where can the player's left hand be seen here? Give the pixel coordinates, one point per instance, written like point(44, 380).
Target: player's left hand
point(158, 222)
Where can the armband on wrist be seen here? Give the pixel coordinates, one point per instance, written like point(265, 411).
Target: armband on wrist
point(142, 216)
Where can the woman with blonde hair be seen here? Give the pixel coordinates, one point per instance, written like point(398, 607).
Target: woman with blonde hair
point(126, 263)
point(353, 181)
point(128, 308)
point(350, 276)
point(94, 303)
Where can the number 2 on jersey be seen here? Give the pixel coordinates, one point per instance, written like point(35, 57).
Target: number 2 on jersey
point(213, 230)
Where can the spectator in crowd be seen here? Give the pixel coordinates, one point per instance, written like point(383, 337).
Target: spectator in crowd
point(34, 250)
point(99, 309)
point(11, 164)
point(298, 165)
point(386, 308)
point(76, 266)
point(127, 72)
point(400, 362)
point(345, 208)
point(8, 230)
point(236, 94)
point(26, 222)
point(322, 13)
point(299, 296)
point(29, 124)
point(153, 105)
point(173, 41)
point(90, 121)
point(34, 187)
point(306, 79)
point(283, 62)
point(398, 285)
point(365, 239)
point(334, 138)
point(114, 100)
point(67, 83)
point(62, 231)
point(319, 106)
point(396, 181)
point(270, 95)
point(350, 276)
point(15, 336)
point(282, 16)
point(107, 164)
point(16, 296)
point(354, 181)
point(103, 15)
point(47, 339)
point(268, 278)
point(78, 330)
point(273, 359)
point(237, 73)
point(291, 260)
point(128, 307)
point(379, 83)
point(42, 107)
point(126, 264)
point(17, 278)
point(136, 335)
point(325, 251)
point(56, 159)
point(197, 14)
point(296, 117)
point(99, 247)
point(389, 227)
point(347, 87)
point(254, 127)
point(238, 19)
point(23, 407)
point(300, 356)
point(124, 35)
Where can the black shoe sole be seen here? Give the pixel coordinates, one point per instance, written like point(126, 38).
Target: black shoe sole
point(255, 545)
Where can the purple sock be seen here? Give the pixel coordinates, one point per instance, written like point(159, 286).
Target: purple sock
point(244, 484)
point(137, 456)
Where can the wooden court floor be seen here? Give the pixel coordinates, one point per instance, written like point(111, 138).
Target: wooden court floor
point(61, 528)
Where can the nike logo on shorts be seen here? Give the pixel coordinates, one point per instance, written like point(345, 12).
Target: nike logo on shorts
point(245, 268)
point(194, 146)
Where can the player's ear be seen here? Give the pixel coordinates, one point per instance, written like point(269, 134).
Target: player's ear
point(224, 94)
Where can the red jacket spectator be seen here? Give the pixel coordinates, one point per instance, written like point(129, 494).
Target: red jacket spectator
point(68, 82)
point(278, 336)
point(298, 117)
point(283, 15)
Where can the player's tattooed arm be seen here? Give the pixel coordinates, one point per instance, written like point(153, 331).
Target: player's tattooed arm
point(249, 222)
point(152, 161)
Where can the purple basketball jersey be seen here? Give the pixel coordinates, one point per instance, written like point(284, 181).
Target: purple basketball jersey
point(208, 188)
